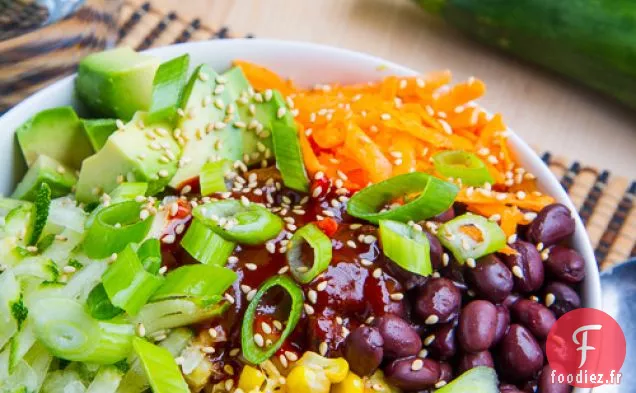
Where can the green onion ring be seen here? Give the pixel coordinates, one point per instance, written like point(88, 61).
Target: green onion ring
point(462, 165)
point(406, 246)
point(321, 246)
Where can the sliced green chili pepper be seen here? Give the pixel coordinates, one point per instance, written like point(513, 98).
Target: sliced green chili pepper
point(253, 352)
point(321, 246)
point(462, 165)
point(471, 236)
point(435, 196)
point(406, 246)
point(242, 223)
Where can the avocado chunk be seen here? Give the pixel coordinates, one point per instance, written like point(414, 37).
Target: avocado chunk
point(98, 130)
point(56, 133)
point(116, 83)
point(476, 380)
point(60, 179)
point(136, 153)
point(167, 90)
point(207, 131)
point(256, 111)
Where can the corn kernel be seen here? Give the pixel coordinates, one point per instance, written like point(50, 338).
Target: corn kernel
point(351, 384)
point(335, 369)
point(251, 379)
point(305, 379)
point(377, 384)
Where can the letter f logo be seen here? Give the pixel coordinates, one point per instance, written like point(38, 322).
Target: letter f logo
point(583, 343)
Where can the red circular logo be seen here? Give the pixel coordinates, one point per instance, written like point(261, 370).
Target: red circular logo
point(586, 348)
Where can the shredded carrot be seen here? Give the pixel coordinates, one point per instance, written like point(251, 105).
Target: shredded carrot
point(328, 225)
point(368, 132)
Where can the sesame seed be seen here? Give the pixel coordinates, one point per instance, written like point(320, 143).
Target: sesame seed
point(431, 319)
point(277, 324)
point(369, 239)
point(143, 214)
point(429, 340)
point(377, 273)
point(163, 173)
point(355, 226)
point(250, 295)
point(440, 384)
point(234, 352)
point(291, 356)
point(530, 216)
point(312, 296)
point(283, 269)
point(471, 262)
point(308, 309)
point(534, 298)
point(213, 333)
point(283, 360)
point(423, 353)
point(271, 247)
point(517, 271)
point(323, 348)
point(321, 286)
point(251, 266)
point(549, 299)
point(317, 191)
point(385, 116)
point(267, 329)
point(397, 296)
point(521, 195)
point(366, 262)
point(377, 387)
point(259, 340)
point(417, 365)
point(168, 239)
point(69, 269)
point(281, 112)
point(208, 350)
point(229, 298)
point(540, 246)
point(141, 330)
point(351, 244)
point(512, 238)
point(545, 254)
point(163, 270)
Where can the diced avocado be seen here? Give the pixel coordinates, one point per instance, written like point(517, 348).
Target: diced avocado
point(98, 130)
point(167, 90)
point(116, 83)
point(257, 113)
point(476, 380)
point(137, 153)
point(208, 130)
point(60, 178)
point(57, 133)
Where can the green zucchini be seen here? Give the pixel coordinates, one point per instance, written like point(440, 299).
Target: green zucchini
point(590, 41)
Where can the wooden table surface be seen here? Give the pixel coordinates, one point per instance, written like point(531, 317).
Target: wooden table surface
point(548, 111)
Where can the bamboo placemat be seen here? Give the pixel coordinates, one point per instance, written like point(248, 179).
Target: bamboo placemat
point(605, 202)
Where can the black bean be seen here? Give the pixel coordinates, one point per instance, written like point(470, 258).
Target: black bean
point(553, 224)
point(566, 264)
point(436, 250)
point(491, 279)
point(408, 279)
point(561, 298)
point(444, 346)
point(472, 360)
point(506, 388)
point(412, 373)
point(526, 267)
point(503, 321)
point(438, 301)
point(363, 350)
point(445, 371)
point(400, 339)
point(453, 271)
point(445, 216)
point(546, 385)
point(520, 356)
point(534, 316)
point(477, 323)
point(511, 300)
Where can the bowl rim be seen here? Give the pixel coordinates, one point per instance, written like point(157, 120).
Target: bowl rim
point(591, 300)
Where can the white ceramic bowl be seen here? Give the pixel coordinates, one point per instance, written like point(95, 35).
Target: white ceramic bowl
point(306, 64)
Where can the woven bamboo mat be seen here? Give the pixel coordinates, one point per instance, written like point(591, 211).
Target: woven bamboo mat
point(605, 202)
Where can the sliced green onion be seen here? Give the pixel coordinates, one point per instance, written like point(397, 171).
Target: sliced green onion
point(113, 228)
point(462, 165)
point(172, 313)
point(128, 284)
point(203, 284)
point(205, 245)
point(252, 352)
point(242, 223)
point(128, 191)
point(99, 305)
point(322, 253)
point(212, 177)
point(106, 381)
point(289, 156)
point(150, 255)
point(161, 369)
point(456, 236)
point(20, 344)
point(69, 333)
point(135, 380)
point(435, 196)
point(9, 295)
point(167, 90)
point(406, 246)
point(41, 213)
